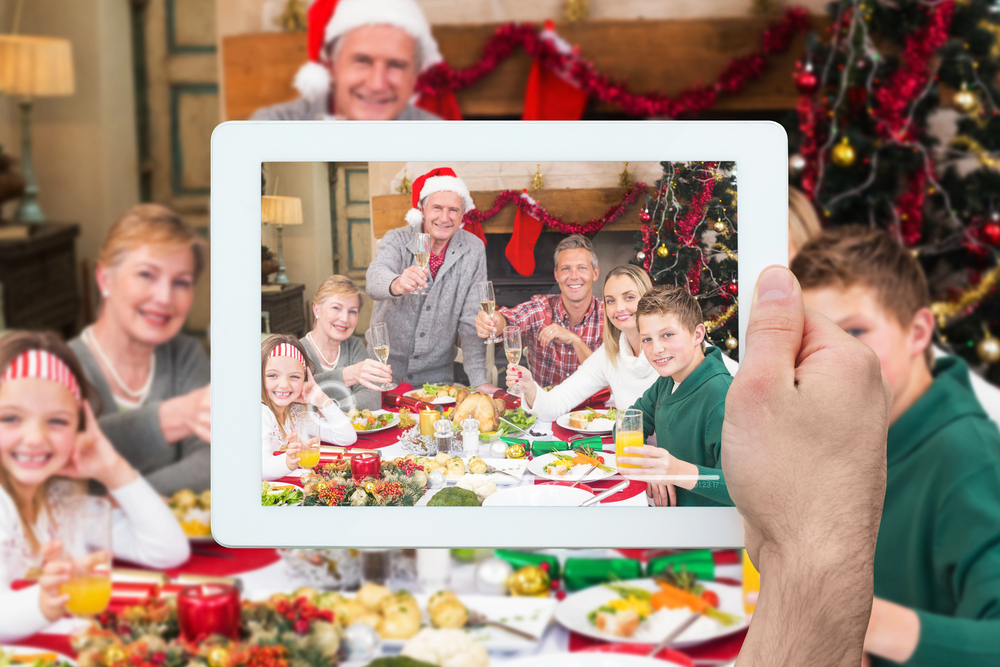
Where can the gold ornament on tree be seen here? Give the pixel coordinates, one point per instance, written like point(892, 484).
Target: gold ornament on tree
point(965, 100)
point(720, 227)
point(576, 10)
point(625, 180)
point(536, 182)
point(370, 487)
point(663, 251)
point(988, 349)
point(405, 185)
point(293, 18)
point(529, 581)
point(732, 343)
point(843, 153)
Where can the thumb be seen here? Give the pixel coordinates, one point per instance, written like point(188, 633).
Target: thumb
point(774, 331)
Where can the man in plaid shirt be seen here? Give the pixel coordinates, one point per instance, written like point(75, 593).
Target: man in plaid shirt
point(563, 329)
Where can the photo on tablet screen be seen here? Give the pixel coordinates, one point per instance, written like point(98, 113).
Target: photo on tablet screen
point(497, 333)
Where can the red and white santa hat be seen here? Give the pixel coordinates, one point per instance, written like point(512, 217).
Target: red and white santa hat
point(329, 19)
point(44, 365)
point(442, 179)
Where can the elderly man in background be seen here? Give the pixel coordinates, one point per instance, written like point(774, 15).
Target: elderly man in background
point(423, 327)
point(365, 57)
point(564, 328)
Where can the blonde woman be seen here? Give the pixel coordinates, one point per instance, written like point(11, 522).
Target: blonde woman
point(152, 381)
point(343, 367)
point(803, 223)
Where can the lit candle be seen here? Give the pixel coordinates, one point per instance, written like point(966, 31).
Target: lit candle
point(427, 419)
point(208, 609)
point(366, 464)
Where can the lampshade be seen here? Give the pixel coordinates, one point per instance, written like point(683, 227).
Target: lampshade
point(36, 66)
point(280, 210)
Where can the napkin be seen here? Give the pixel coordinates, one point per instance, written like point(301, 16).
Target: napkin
point(582, 573)
point(539, 447)
point(700, 562)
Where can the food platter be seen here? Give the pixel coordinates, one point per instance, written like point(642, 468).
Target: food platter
point(28, 656)
point(538, 464)
point(391, 424)
point(421, 395)
point(564, 422)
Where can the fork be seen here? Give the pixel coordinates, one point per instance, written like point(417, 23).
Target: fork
point(479, 619)
point(490, 469)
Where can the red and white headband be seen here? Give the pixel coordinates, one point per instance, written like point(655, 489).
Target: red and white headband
point(287, 350)
point(42, 364)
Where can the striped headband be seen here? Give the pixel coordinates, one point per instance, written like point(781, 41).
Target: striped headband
point(287, 350)
point(42, 364)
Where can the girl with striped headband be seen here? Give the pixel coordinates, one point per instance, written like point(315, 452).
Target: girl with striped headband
point(287, 388)
point(50, 443)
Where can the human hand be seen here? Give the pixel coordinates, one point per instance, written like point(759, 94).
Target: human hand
point(654, 463)
point(662, 494)
point(489, 325)
point(94, 457)
point(369, 373)
point(313, 394)
point(56, 570)
point(410, 280)
point(188, 414)
point(292, 454)
point(555, 333)
point(488, 389)
point(521, 375)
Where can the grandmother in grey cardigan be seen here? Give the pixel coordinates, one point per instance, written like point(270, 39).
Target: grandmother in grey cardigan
point(423, 327)
point(152, 382)
point(343, 368)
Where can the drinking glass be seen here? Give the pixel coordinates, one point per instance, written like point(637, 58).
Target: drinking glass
point(512, 347)
point(85, 532)
point(380, 345)
point(307, 430)
point(628, 433)
point(421, 255)
point(488, 303)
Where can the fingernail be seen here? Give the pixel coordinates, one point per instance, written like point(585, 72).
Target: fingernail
point(775, 282)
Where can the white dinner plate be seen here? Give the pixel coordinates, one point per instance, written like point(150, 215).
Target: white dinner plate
point(30, 650)
point(539, 495)
point(443, 400)
point(395, 420)
point(537, 466)
point(514, 467)
point(572, 614)
point(588, 660)
point(564, 422)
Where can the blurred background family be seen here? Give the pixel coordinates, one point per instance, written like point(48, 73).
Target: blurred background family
point(618, 277)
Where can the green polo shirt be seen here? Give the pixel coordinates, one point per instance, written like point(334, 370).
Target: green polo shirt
point(688, 424)
point(938, 549)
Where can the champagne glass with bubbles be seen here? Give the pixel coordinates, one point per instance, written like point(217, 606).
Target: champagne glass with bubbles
point(488, 303)
point(380, 345)
point(512, 347)
point(421, 255)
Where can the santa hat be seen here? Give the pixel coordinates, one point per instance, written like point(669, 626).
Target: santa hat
point(329, 19)
point(441, 179)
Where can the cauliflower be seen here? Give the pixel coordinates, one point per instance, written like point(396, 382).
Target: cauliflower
point(446, 648)
point(481, 485)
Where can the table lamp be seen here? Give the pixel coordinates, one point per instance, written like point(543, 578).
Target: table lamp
point(280, 211)
point(33, 67)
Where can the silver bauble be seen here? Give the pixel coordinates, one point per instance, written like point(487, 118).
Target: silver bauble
point(498, 449)
point(436, 479)
point(796, 163)
point(491, 576)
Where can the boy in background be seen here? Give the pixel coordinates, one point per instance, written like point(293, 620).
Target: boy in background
point(937, 558)
point(685, 407)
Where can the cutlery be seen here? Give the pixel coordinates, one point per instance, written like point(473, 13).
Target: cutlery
point(605, 494)
point(478, 619)
point(587, 472)
point(490, 468)
point(516, 427)
point(674, 634)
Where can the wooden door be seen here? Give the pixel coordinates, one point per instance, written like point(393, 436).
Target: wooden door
point(352, 225)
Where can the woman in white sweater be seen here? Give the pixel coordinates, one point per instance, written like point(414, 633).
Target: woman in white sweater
point(286, 384)
point(50, 443)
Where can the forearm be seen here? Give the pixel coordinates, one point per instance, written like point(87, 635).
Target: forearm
point(379, 278)
point(943, 641)
point(20, 614)
point(336, 428)
point(175, 419)
point(147, 533)
point(712, 489)
point(583, 352)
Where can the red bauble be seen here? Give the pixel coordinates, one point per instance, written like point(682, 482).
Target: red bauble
point(991, 232)
point(645, 216)
point(806, 80)
point(732, 288)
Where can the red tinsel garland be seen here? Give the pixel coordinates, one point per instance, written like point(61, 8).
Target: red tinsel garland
point(910, 207)
point(536, 211)
point(775, 39)
point(696, 211)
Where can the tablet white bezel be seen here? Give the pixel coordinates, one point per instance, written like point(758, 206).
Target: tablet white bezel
point(238, 149)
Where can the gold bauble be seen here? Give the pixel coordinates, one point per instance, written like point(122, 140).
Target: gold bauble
point(732, 343)
point(988, 349)
point(663, 251)
point(529, 581)
point(515, 452)
point(370, 487)
point(720, 227)
point(218, 657)
point(843, 153)
point(114, 654)
point(965, 100)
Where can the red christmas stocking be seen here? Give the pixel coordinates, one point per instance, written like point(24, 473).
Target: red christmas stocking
point(521, 249)
point(551, 97)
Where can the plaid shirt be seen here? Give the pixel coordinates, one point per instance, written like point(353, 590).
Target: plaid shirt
point(553, 364)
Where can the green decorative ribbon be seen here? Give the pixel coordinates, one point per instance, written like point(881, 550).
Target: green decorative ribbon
point(585, 572)
point(519, 559)
point(700, 562)
point(539, 447)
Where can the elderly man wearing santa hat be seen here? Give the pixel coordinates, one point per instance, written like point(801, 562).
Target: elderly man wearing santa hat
point(365, 57)
point(423, 327)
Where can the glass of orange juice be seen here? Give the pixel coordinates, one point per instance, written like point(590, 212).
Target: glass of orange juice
point(85, 531)
point(628, 433)
point(307, 430)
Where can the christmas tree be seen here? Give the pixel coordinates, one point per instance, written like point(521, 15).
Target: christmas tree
point(882, 94)
point(688, 238)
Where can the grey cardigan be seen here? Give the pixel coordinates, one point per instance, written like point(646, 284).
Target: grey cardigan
point(181, 367)
point(422, 329)
point(352, 351)
point(317, 108)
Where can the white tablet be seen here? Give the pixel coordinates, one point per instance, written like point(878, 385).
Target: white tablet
point(538, 511)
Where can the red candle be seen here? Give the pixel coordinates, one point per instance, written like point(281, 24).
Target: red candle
point(208, 609)
point(365, 464)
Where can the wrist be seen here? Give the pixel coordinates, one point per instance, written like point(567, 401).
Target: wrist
point(350, 375)
point(117, 475)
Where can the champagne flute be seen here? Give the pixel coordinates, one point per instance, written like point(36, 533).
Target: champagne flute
point(421, 255)
point(488, 303)
point(512, 347)
point(628, 433)
point(380, 345)
point(307, 430)
point(85, 532)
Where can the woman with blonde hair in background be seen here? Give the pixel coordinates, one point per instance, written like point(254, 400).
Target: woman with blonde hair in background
point(803, 223)
point(343, 367)
point(152, 380)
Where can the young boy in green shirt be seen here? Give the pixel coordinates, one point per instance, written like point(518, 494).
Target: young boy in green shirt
point(937, 558)
point(685, 407)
